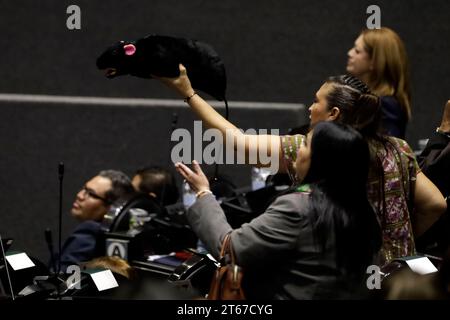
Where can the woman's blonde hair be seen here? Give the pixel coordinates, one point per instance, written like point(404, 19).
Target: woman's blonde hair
point(115, 264)
point(390, 76)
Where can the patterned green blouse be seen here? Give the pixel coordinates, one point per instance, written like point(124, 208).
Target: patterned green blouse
point(400, 169)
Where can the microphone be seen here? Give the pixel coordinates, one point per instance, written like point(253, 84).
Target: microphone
point(60, 176)
point(49, 241)
point(48, 285)
point(48, 238)
point(173, 128)
point(43, 286)
point(60, 170)
point(7, 271)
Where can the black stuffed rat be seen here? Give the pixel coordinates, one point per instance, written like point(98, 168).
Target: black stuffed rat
point(161, 56)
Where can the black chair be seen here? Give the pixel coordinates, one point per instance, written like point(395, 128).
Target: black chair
point(161, 233)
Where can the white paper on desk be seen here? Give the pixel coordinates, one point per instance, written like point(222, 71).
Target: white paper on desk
point(157, 256)
point(421, 265)
point(104, 280)
point(19, 261)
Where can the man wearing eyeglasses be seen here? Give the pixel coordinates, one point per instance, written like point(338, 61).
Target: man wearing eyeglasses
point(91, 204)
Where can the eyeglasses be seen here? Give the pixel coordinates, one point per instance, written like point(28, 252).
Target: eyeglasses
point(91, 193)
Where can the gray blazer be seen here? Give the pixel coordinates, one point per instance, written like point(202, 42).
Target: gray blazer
point(277, 250)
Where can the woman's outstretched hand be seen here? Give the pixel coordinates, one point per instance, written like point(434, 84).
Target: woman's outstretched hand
point(181, 84)
point(196, 178)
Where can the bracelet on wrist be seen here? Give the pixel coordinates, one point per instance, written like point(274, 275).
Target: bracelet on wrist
point(202, 193)
point(189, 97)
point(438, 130)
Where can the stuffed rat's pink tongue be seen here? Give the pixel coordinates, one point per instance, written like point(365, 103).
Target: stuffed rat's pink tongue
point(129, 49)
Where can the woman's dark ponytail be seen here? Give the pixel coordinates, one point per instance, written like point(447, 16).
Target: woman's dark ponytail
point(367, 114)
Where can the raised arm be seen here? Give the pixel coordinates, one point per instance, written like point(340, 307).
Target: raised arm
point(272, 234)
point(252, 144)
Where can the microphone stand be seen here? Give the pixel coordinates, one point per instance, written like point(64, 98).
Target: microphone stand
point(172, 129)
point(60, 177)
point(44, 285)
point(6, 267)
point(58, 271)
point(48, 239)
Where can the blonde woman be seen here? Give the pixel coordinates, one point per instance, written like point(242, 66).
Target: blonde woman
point(379, 59)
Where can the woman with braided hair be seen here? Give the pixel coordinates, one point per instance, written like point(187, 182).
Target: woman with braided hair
point(406, 202)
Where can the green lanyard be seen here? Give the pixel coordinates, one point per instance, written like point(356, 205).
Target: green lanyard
point(306, 188)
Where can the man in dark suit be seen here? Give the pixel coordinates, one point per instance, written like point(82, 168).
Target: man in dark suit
point(90, 206)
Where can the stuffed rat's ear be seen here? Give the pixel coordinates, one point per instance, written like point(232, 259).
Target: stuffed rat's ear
point(130, 49)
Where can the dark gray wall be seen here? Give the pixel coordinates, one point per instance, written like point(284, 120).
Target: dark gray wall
point(274, 51)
